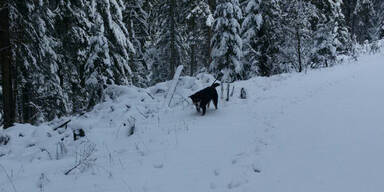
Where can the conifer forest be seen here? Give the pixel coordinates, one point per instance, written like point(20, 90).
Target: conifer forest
point(58, 56)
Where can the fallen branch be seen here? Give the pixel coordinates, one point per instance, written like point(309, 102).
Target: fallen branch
point(73, 168)
point(62, 125)
point(153, 98)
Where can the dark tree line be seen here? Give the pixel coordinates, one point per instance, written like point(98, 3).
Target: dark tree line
point(6, 67)
point(58, 56)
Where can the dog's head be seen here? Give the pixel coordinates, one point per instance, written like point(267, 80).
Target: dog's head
point(195, 99)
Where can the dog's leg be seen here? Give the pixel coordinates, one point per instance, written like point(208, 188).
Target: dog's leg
point(215, 101)
point(204, 109)
point(197, 108)
point(208, 104)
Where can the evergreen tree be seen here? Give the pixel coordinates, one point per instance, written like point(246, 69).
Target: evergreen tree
point(379, 20)
point(298, 45)
point(270, 37)
point(365, 24)
point(39, 95)
point(119, 45)
point(95, 71)
point(226, 41)
point(64, 59)
point(72, 27)
point(331, 36)
point(250, 29)
point(348, 8)
point(136, 21)
point(199, 22)
point(337, 21)
point(170, 48)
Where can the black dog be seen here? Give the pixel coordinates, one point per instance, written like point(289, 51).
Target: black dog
point(203, 97)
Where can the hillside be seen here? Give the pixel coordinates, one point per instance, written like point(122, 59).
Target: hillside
point(315, 131)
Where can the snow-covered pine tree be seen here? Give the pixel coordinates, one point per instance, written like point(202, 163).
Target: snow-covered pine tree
point(107, 61)
point(270, 38)
point(73, 31)
point(342, 39)
point(365, 24)
point(66, 52)
point(330, 34)
point(54, 98)
point(119, 45)
point(251, 25)
point(226, 41)
point(96, 70)
point(39, 95)
point(136, 21)
point(169, 44)
point(298, 45)
point(379, 20)
point(198, 20)
point(151, 55)
point(212, 8)
point(348, 8)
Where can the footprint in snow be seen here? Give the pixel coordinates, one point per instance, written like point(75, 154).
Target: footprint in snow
point(216, 172)
point(256, 169)
point(158, 165)
point(235, 184)
point(212, 185)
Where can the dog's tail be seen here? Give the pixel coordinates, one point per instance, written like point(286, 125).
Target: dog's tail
point(215, 85)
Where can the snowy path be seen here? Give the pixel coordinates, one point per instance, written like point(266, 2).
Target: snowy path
point(316, 132)
point(332, 141)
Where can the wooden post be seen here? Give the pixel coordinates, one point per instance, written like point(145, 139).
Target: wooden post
point(173, 85)
point(228, 86)
point(222, 91)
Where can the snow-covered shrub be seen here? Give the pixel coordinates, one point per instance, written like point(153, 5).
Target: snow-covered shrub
point(84, 158)
point(4, 139)
point(243, 93)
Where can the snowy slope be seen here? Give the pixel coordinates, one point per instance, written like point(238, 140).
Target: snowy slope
point(319, 131)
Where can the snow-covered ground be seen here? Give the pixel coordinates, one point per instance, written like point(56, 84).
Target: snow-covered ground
point(319, 131)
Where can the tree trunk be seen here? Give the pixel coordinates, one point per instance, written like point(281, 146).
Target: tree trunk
point(5, 60)
point(193, 60)
point(172, 66)
point(299, 49)
point(212, 5)
point(209, 48)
